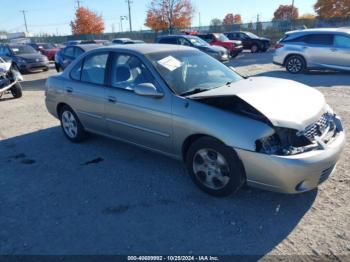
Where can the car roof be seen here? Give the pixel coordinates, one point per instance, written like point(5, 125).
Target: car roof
point(147, 48)
point(16, 44)
point(86, 47)
point(170, 36)
point(122, 39)
point(321, 30)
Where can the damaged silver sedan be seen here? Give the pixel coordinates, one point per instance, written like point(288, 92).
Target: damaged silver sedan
point(229, 130)
point(9, 79)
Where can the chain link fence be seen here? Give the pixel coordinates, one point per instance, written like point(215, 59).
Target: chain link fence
point(272, 29)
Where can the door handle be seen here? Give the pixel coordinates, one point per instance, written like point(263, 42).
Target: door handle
point(334, 49)
point(69, 90)
point(112, 99)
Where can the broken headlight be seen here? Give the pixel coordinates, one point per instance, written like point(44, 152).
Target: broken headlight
point(269, 145)
point(284, 142)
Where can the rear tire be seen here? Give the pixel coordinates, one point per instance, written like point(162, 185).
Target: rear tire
point(295, 64)
point(254, 48)
point(71, 126)
point(214, 167)
point(16, 90)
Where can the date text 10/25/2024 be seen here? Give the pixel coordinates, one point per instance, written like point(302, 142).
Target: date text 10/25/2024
point(173, 258)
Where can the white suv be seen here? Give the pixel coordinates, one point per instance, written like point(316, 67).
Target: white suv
point(324, 48)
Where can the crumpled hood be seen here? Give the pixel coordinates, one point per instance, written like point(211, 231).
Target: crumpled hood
point(285, 103)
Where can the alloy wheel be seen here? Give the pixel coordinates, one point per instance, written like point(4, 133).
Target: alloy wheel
point(211, 168)
point(69, 124)
point(294, 65)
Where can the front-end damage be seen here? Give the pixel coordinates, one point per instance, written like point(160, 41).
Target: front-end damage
point(9, 78)
point(287, 141)
point(290, 160)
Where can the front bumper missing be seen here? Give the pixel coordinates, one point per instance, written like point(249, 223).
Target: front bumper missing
point(8, 87)
point(295, 173)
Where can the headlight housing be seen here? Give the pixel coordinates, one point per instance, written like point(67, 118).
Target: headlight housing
point(270, 145)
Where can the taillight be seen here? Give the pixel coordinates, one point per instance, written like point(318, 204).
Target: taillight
point(278, 45)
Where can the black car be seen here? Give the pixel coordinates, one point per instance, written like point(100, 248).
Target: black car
point(250, 41)
point(24, 57)
point(217, 52)
point(66, 55)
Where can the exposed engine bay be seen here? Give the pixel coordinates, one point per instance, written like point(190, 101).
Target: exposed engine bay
point(285, 141)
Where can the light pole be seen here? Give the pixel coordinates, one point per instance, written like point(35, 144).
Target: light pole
point(122, 17)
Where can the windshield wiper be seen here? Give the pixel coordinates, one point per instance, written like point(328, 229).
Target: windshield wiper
point(195, 91)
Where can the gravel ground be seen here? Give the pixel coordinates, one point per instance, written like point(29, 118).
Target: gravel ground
point(106, 197)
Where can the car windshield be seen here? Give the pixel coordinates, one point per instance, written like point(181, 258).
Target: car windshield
point(196, 41)
point(251, 35)
point(222, 37)
point(22, 49)
point(46, 46)
point(191, 71)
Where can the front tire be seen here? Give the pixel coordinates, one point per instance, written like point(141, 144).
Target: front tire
point(71, 126)
point(295, 64)
point(58, 68)
point(16, 90)
point(214, 167)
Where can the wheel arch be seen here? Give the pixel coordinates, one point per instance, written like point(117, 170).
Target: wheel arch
point(60, 106)
point(294, 54)
point(191, 139)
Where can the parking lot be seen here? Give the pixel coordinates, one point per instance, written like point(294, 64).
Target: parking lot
point(107, 197)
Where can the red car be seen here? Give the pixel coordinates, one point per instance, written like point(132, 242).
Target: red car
point(47, 49)
point(233, 46)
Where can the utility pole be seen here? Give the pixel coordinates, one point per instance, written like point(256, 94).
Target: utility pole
point(130, 24)
point(257, 23)
point(25, 19)
point(78, 3)
point(122, 17)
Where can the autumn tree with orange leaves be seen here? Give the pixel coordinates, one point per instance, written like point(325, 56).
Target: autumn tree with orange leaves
point(169, 14)
point(286, 12)
point(332, 8)
point(87, 22)
point(231, 19)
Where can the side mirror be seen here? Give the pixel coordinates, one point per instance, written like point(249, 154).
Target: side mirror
point(147, 89)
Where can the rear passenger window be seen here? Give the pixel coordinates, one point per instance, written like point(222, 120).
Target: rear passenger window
point(168, 41)
point(319, 39)
point(69, 51)
point(78, 52)
point(94, 68)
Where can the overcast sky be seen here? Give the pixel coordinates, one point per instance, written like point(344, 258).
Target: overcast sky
point(53, 16)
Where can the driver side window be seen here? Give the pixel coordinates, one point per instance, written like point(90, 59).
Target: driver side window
point(184, 41)
point(127, 71)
